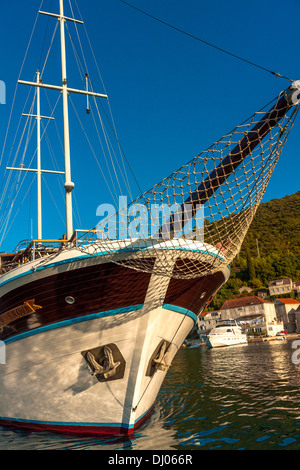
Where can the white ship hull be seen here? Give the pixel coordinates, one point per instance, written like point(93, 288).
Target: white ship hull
point(47, 382)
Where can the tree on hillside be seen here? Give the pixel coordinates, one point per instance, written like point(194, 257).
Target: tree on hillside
point(250, 266)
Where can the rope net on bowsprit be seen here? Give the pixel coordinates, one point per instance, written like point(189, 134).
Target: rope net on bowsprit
point(193, 222)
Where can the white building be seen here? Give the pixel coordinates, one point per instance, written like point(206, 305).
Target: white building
point(294, 314)
point(297, 287)
point(258, 315)
point(207, 321)
point(283, 307)
point(281, 286)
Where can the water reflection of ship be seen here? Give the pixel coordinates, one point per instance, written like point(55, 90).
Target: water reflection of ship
point(157, 436)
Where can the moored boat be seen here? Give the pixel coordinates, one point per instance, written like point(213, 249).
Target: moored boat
point(226, 334)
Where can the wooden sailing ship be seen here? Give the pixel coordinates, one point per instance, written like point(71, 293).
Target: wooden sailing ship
point(91, 323)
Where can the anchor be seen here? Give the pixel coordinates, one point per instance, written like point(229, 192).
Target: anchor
point(161, 360)
point(107, 366)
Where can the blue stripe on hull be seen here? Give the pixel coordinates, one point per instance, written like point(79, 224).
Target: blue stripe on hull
point(94, 316)
point(183, 311)
point(58, 423)
point(77, 428)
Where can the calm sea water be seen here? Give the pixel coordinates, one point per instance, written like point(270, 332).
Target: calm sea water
point(240, 397)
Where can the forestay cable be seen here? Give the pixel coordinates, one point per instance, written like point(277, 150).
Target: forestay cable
point(276, 74)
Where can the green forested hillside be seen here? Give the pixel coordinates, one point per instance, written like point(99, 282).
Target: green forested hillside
point(271, 249)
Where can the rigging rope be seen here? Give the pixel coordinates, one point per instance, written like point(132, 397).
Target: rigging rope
point(49, 49)
point(45, 35)
point(11, 111)
point(276, 74)
point(91, 147)
point(6, 217)
point(111, 120)
point(82, 72)
point(3, 196)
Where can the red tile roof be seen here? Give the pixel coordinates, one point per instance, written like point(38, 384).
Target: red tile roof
point(203, 314)
point(243, 302)
point(289, 301)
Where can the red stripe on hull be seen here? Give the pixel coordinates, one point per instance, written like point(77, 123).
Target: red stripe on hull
point(78, 430)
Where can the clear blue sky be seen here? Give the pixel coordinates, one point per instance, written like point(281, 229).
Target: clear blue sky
point(171, 96)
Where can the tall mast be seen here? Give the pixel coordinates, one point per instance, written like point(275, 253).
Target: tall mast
point(68, 183)
point(69, 186)
point(39, 173)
